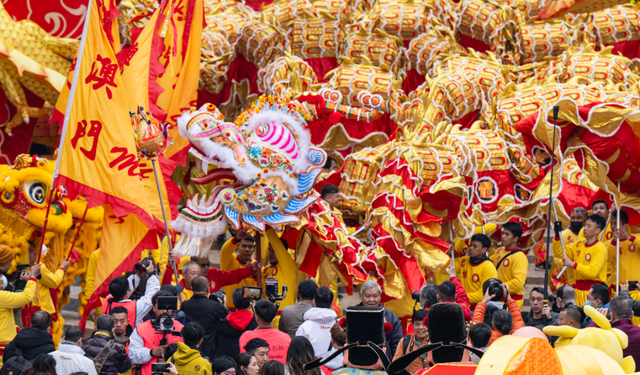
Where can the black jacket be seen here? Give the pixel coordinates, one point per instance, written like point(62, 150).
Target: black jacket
point(227, 337)
point(118, 361)
point(207, 313)
point(32, 341)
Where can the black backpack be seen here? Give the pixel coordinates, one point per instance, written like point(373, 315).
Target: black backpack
point(16, 365)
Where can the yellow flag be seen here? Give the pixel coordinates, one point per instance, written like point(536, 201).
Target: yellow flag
point(180, 79)
point(98, 156)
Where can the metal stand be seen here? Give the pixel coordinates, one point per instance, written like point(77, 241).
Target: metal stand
point(556, 109)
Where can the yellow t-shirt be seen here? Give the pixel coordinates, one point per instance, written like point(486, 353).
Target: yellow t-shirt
point(472, 277)
point(512, 271)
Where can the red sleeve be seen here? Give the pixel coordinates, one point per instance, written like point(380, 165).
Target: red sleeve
point(461, 296)
point(478, 314)
point(224, 278)
point(166, 279)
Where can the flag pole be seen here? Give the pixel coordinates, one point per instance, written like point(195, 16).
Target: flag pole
point(166, 225)
point(65, 124)
point(78, 231)
point(618, 208)
point(556, 109)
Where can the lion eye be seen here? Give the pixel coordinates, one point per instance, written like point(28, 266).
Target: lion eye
point(36, 192)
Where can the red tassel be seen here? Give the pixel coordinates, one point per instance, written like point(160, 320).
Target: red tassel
point(387, 327)
point(335, 117)
point(342, 322)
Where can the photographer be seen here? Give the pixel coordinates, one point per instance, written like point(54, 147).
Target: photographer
point(205, 312)
point(11, 300)
point(540, 315)
point(502, 322)
point(147, 342)
point(120, 292)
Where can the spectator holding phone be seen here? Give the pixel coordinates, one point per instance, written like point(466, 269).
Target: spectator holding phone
point(188, 358)
point(540, 315)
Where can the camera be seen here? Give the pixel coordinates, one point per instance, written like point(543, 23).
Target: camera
point(23, 267)
point(142, 265)
point(271, 290)
point(416, 296)
point(494, 286)
point(159, 368)
point(633, 285)
point(165, 323)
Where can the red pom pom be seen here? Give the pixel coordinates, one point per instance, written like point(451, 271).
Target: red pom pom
point(342, 322)
point(387, 327)
point(335, 117)
point(425, 321)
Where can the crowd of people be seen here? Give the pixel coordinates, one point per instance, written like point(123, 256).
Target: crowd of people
point(207, 321)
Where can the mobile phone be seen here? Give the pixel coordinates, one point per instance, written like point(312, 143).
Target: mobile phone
point(633, 285)
point(252, 292)
point(159, 367)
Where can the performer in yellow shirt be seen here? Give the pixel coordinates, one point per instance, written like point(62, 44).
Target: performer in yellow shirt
point(601, 208)
point(475, 268)
point(587, 257)
point(511, 263)
point(246, 245)
point(569, 236)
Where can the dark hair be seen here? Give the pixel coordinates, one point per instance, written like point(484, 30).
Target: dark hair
point(514, 228)
point(170, 350)
point(503, 321)
point(447, 291)
point(105, 322)
point(74, 333)
point(429, 293)
point(43, 363)
point(600, 292)
point(200, 284)
point(243, 360)
point(272, 368)
point(328, 189)
point(621, 307)
point(599, 201)
point(328, 163)
point(41, 320)
point(249, 238)
point(160, 293)
point(79, 373)
point(192, 333)
point(419, 314)
point(222, 363)
point(253, 345)
point(323, 297)
point(538, 290)
point(339, 335)
point(119, 310)
point(573, 313)
point(480, 334)
point(118, 288)
point(300, 352)
point(624, 217)
point(482, 238)
point(598, 220)
point(265, 310)
point(240, 302)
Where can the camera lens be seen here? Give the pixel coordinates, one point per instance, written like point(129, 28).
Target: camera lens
point(167, 322)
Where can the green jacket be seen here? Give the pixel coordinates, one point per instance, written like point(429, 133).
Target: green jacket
point(190, 362)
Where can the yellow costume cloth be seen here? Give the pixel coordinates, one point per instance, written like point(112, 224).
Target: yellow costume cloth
point(512, 271)
point(472, 277)
point(568, 277)
point(590, 265)
point(629, 266)
point(229, 261)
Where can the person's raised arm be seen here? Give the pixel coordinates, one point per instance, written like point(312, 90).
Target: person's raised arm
point(144, 305)
point(51, 279)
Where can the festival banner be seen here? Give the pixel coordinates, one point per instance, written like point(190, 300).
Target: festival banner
point(98, 156)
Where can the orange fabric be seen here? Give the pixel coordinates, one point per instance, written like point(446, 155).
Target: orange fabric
point(151, 340)
point(417, 364)
point(512, 306)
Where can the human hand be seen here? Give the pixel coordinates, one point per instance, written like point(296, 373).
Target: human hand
point(557, 228)
point(93, 315)
point(603, 311)
point(625, 286)
point(568, 262)
point(25, 275)
point(546, 311)
point(64, 265)
point(150, 268)
point(505, 291)
point(242, 234)
point(487, 297)
point(171, 259)
point(256, 265)
point(35, 271)
point(159, 351)
point(451, 269)
point(172, 369)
